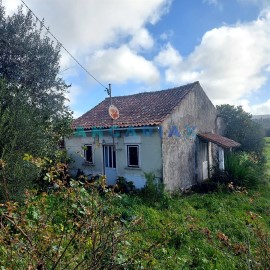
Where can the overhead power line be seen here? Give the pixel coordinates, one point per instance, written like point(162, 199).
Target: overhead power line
point(62, 46)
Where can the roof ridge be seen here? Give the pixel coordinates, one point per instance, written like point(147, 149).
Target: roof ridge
point(153, 92)
point(145, 108)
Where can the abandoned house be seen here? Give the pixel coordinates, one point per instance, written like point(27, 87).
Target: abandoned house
point(174, 133)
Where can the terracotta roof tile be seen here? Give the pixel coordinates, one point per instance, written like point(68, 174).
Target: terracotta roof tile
point(143, 109)
point(219, 140)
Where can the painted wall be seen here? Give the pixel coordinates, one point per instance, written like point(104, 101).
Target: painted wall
point(150, 157)
point(182, 160)
point(74, 146)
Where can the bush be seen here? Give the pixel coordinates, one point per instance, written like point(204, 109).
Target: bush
point(124, 186)
point(242, 169)
point(154, 192)
point(73, 228)
point(51, 171)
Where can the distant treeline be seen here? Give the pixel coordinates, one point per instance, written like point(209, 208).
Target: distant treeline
point(264, 121)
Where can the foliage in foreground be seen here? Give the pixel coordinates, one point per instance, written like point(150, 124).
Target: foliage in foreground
point(74, 228)
point(90, 227)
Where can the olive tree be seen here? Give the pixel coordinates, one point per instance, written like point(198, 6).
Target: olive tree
point(33, 111)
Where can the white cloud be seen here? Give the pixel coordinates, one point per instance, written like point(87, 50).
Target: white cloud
point(255, 109)
point(230, 61)
point(88, 27)
point(168, 57)
point(142, 39)
point(73, 94)
point(263, 108)
point(89, 24)
point(166, 35)
point(122, 64)
point(11, 5)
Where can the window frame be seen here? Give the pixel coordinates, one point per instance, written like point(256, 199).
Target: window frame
point(85, 156)
point(128, 157)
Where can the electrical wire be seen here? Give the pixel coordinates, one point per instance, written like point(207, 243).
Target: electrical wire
point(62, 46)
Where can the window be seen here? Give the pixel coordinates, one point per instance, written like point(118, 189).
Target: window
point(133, 155)
point(88, 153)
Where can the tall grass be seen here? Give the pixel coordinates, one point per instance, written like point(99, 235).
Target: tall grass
point(267, 153)
point(243, 169)
point(154, 193)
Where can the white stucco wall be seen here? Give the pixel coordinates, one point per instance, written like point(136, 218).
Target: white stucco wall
point(150, 156)
point(74, 146)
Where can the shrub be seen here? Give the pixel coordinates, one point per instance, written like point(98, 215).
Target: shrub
point(240, 168)
point(154, 193)
point(51, 171)
point(73, 228)
point(124, 186)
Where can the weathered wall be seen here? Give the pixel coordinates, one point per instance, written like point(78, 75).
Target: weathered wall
point(74, 148)
point(182, 161)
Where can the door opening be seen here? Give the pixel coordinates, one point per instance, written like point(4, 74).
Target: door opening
point(109, 161)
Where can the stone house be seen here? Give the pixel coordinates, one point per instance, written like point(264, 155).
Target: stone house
point(173, 133)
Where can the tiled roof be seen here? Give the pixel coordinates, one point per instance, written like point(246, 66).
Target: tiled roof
point(219, 140)
point(143, 109)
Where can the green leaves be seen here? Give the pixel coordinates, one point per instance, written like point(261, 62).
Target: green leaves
point(71, 229)
point(240, 127)
point(33, 114)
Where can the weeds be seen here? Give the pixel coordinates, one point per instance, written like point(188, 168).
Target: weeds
point(74, 228)
point(154, 193)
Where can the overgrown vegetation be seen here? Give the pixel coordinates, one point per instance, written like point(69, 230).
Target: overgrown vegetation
point(241, 169)
point(90, 227)
point(74, 228)
point(33, 114)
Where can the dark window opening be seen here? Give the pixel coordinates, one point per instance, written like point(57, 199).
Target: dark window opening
point(88, 154)
point(133, 155)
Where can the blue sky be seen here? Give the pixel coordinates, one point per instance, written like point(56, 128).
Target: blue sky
point(139, 45)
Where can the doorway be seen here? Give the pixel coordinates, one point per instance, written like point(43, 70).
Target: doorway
point(109, 161)
point(204, 156)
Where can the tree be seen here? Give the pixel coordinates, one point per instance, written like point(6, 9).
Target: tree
point(33, 114)
point(241, 128)
point(30, 61)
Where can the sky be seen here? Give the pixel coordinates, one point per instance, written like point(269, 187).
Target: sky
point(149, 45)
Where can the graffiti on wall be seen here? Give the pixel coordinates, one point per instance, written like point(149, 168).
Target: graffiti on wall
point(188, 132)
